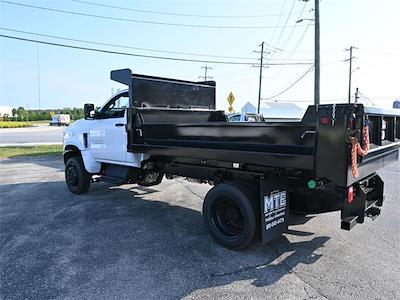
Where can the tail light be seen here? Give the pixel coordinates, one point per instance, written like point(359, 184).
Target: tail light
point(324, 120)
point(350, 194)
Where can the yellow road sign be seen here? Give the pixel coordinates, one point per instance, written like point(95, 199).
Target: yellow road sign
point(230, 99)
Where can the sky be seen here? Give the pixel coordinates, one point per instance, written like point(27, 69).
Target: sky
point(34, 74)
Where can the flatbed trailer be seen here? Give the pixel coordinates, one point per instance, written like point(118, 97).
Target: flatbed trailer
point(260, 171)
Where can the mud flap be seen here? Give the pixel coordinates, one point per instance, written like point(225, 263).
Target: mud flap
point(274, 207)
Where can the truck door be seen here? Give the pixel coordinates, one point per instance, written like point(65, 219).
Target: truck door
point(108, 138)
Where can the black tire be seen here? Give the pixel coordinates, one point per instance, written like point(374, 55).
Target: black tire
point(229, 213)
point(76, 176)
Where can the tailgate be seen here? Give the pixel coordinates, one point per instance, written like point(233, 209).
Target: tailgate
point(340, 125)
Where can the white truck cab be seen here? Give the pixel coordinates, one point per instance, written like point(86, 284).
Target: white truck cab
point(102, 138)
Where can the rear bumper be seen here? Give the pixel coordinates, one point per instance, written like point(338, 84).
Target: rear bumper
point(367, 200)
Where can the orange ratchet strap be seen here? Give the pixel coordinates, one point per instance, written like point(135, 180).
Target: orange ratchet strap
point(356, 149)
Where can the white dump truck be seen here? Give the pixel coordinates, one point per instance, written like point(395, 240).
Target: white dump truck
point(162, 127)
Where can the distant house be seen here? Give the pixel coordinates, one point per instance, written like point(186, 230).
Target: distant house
point(6, 111)
point(248, 108)
point(276, 111)
point(396, 104)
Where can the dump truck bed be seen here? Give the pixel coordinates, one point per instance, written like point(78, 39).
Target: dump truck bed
point(323, 149)
point(170, 126)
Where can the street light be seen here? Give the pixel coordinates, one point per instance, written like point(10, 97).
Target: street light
point(301, 20)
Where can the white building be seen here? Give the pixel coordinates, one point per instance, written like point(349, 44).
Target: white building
point(6, 111)
point(276, 111)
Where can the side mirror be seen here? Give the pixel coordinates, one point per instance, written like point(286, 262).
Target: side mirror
point(88, 111)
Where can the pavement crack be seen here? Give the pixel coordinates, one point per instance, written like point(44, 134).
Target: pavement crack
point(387, 242)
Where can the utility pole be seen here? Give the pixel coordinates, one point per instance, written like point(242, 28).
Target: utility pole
point(317, 62)
point(259, 84)
point(350, 60)
point(206, 68)
point(38, 72)
point(317, 56)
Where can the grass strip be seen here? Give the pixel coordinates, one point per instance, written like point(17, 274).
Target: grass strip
point(38, 150)
point(14, 124)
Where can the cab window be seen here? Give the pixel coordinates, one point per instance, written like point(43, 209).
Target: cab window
point(115, 108)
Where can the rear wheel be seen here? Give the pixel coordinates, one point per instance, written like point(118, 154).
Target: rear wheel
point(76, 176)
point(229, 214)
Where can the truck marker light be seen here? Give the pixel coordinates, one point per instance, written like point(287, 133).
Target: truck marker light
point(324, 120)
point(312, 184)
point(350, 194)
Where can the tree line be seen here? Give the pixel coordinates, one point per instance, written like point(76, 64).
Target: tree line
point(22, 114)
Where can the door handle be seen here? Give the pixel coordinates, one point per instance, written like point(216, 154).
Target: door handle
point(119, 124)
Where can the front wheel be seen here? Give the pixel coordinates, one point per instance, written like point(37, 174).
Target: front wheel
point(229, 214)
point(76, 176)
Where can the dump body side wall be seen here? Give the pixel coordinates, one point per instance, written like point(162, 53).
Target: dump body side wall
point(281, 145)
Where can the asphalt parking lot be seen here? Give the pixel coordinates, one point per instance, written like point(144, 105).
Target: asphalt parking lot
point(131, 242)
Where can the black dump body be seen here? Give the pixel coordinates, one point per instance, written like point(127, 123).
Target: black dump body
point(171, 128)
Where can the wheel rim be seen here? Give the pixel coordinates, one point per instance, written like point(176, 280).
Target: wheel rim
point(72, 177)
point(228, 217)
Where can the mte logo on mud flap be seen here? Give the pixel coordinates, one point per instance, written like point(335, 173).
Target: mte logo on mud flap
point(274, 209)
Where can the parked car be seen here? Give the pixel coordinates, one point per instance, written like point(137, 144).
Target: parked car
point(60, 120)
point(246, 117)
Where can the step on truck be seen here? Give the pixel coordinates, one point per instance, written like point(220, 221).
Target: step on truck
point(163, 128)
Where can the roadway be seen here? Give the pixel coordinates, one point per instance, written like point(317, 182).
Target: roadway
point(131, 242)
point(31, 135)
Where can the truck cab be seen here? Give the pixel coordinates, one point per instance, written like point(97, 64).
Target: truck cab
point(101, 137)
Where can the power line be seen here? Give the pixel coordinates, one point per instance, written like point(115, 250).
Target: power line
point(124, 46)
point(277, 23)
point(294, 83)
point(343, 100)
point(134, 20)
point(137, 55)
point(380, 52)
point(295, 48)
point(292, 31)
point(175, 14)
point(294, 27)
point(287, 20)
point(136, 48)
